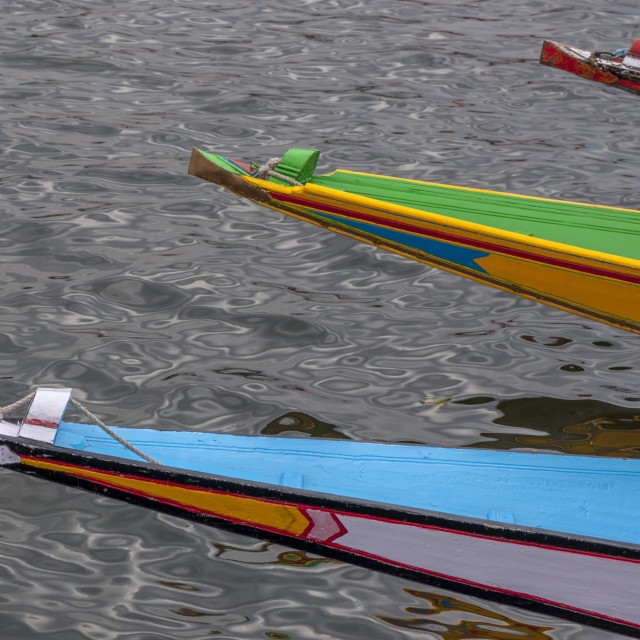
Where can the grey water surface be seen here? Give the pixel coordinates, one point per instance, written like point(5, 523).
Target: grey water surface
point(167, 302)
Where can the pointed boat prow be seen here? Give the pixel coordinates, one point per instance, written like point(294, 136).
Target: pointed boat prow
point(202, 167)
point(620, 69)
point(582, 258)
point(557, 534)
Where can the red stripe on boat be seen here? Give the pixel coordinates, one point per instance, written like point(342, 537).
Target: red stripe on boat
point(41, 423)
point(449, 237)
point(76, 471)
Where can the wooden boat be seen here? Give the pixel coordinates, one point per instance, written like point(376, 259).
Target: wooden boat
point(553, 533)
point(620, 69)
point(579, 257)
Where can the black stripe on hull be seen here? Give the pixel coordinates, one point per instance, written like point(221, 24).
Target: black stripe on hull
point(347, 506)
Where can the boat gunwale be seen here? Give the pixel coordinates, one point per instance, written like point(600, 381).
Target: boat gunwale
point(595, 61)
point(568, 259)
point(552, 246)
point(198, 480)
point(457, 270)
point(202, 159)
point(510, 248)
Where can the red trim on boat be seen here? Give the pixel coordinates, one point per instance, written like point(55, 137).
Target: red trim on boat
point(486, 587)
point(338, 529)
point(449, 237)
point(561, 60)
point(630, 84)
point(41, 423)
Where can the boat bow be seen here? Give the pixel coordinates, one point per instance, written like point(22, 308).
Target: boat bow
point(581, 258)
point(553, 533)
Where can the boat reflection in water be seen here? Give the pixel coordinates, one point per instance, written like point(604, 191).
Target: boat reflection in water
point(579, 427)
point(453, 618)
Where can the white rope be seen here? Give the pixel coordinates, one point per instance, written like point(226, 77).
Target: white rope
point(16, 404)
point(268, 169)
point(112, 433)
point(19, 403)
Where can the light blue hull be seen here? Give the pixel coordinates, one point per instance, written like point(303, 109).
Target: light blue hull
point(553, 533)
point(592, 497)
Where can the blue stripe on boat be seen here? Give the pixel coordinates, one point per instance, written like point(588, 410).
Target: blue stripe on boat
point(593, 497)
point(455, 254)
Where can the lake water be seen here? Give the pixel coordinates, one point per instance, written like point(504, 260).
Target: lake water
point(167, 302)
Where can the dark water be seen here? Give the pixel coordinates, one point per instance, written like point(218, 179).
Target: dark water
point(167, 302)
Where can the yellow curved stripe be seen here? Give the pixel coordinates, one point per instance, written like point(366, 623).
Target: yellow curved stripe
point(284, 518)
point(276, 188)
point(591, 292)
point(497, 193)
point(484, 231)
point(473, 229)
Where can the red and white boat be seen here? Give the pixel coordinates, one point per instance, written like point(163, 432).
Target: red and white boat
point(620, 69)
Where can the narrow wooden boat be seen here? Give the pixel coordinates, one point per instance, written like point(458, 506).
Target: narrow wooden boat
point(553, 533)
point(620, 69)
point(579, 257)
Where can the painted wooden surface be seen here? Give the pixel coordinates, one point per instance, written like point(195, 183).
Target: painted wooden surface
point(594, 497)
point(577, 257)
point(585, 579)
point(621, 73)
point(549, 532)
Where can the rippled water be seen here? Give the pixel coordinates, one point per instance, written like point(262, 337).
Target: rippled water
point(166, 302)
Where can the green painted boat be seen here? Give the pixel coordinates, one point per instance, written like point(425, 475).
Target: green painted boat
point(578, 257)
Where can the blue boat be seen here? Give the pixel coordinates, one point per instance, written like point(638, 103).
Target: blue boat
point(553, 533)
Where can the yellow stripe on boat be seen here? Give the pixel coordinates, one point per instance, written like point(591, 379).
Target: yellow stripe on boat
point(495, 193)
point(583, 258)
point(260, 513)
point(391, 211)
point(591, 292)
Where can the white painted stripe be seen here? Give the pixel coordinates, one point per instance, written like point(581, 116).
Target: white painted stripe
point(631, 61)
point(599, 585)
point(37, 432)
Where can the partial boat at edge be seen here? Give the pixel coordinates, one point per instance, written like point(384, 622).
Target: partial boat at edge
point(553, 533)
point(619, 69)
point(582, 258)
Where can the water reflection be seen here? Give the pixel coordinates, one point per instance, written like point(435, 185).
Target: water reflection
point(440, 614)
point(298, 422)
point(581, 427)
point(263, 554)
point(168, 303)
point(180, 586)
point(453, 618)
